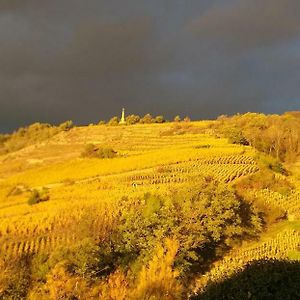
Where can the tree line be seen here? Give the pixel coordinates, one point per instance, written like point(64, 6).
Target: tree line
point(31, 134)
point(275, 135)
point(146, 119)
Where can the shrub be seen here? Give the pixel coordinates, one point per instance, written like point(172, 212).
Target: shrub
point(89, 150)
point(159, 119)
point(32, 134)
point(81, 258)
point(147, 119)
point(63, 285)
point(158, 279)
point(92, 151)
point(277, 167)
point(37, 197)
point(265, 179)
point(114, 121)
point(132, 119)
point(106, 153)
point(15, 278)
point(115, 287)
point(177, 119)
point(274, 135)
point(235, 136)
point(206, 215)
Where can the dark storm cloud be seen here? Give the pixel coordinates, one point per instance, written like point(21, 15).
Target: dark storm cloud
point(106, 49)
point(10, 5)
point(84, 60)
point(250, 24)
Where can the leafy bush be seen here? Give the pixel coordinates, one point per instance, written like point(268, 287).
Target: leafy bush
point(38, 196)
point(34, 133)
point(61, 284)
point(157, 280)
point(159, 119)
point(235, 136)
point(209, 215)
point(15, 278)
point(271, 134)
point(114, 121)
point(147, 119)
point(132, 119)
point(265, 179)
point(177, 119)
point(278, 168)
point(93, 151)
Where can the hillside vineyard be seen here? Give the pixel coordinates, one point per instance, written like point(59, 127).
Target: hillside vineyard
point(156, 199)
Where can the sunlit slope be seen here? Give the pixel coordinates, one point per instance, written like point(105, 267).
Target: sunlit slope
point(151, 158)
point(127, 140)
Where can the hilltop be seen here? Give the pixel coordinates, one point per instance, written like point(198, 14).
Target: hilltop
point(167, 210)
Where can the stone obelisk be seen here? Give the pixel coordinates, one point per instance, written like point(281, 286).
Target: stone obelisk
point(122, 122)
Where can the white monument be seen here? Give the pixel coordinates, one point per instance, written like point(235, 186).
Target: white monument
point(122, 122)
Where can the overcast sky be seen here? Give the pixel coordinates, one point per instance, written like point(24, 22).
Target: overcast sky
point(85, 60)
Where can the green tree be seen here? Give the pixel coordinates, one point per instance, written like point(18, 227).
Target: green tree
point(159, 119)
point(38, 196)
point(93, 151)
point(147, 119)
point(132, 119)
point(177, 119)
point(206, 216)
point(114, 121)
point(235, 136)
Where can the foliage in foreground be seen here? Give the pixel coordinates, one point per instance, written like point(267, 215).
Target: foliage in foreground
point(156, 280)
point(273, 279)
point(209, 216)
point(156, 240)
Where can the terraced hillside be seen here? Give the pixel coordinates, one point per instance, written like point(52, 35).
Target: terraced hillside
point(148, 160)
point(154, 158)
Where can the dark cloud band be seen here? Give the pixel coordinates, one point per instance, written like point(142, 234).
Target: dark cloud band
point(86, 60)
